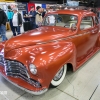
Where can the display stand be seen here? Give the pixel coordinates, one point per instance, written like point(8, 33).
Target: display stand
point(27, 26)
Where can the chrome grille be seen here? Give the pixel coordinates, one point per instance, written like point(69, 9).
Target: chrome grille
point(1, 60)
point(18, 70)
point(15, 69)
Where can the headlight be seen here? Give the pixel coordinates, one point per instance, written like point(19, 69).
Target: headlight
point(33, 69)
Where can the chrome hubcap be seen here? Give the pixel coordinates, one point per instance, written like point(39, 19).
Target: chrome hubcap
point(59, 74)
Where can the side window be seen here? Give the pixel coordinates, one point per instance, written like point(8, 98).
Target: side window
point(87, 22)
point(96, 20)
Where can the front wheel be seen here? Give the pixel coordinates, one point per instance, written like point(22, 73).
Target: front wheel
point(59, 77)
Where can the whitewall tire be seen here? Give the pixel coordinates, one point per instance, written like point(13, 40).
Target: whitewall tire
point(59, 77)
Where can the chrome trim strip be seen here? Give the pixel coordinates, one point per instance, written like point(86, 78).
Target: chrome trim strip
point(28, 80)
point(65, 38)
point(29, 91)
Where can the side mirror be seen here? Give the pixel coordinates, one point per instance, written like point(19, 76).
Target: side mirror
point(73, 27)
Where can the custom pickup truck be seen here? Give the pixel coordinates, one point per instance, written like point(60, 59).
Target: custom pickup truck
point(40, 58)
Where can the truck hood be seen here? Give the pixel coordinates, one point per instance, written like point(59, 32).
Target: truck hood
point(42, 34)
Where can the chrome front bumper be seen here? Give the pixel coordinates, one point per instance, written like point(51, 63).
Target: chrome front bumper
point(29, 91)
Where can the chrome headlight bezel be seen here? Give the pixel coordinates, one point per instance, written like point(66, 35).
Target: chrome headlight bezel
point(33, 69)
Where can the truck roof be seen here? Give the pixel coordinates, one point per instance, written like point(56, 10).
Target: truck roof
point(73, 11)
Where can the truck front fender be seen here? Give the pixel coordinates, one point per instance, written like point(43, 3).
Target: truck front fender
point(48, 58)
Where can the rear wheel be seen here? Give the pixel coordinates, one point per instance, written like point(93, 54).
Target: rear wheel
point(59, 77)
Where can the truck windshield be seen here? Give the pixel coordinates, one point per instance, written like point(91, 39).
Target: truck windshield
point(63, 20)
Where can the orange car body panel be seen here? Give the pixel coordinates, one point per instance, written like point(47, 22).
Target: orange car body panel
point(50, 47)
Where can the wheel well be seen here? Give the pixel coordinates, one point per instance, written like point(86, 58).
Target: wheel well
point(69, 67)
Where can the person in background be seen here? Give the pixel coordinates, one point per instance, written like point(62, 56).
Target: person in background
point(3, 20)
point(51, 20)
point(43, 12)
point(10, 16)
point(17, 21)
point(32, 17)
point(51, 9)
point(39, 16)
point(25, 14)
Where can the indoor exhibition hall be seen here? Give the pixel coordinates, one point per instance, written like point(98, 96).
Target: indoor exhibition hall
point(49, 49)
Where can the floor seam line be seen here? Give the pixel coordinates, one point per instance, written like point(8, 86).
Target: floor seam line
point(5, 97)
point(20, 96)
point(93, 92)
point(67, 94)
point(89, 80)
